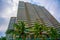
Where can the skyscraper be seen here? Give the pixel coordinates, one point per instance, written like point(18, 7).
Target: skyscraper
point(30, 13)
point(10, 27)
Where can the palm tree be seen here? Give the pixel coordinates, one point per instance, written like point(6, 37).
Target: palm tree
point(20, 28)
point(36, 25)
point(53, 33)
point(39, 29)
point(43, 31)
point(3, 38)
point(12, 32)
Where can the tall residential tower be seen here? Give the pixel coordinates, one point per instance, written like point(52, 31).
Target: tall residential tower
point(30, 13)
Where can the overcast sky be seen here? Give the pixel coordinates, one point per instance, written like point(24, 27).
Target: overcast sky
point(8, 8)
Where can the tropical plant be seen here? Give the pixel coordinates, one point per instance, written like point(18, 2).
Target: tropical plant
point(20, 28)
point(3, 38)
point(38, 30)
point(53, 33)
point(11, 32)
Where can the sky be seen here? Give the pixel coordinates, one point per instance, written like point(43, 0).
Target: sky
point(8, 9)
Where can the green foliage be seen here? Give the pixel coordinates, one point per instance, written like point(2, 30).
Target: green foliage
point(3, 38)
point(10, 31)
point(38, 29)
point(53, 33)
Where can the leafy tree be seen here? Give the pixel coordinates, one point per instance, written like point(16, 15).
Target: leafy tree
point(12, 32)
point(3, 38)
point(53, 33)
point(38, 30)
point(20, 28)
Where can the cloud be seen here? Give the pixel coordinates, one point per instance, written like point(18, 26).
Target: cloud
point(8, 8)
point(2, 33)
point(4, 5)
point(25, 0)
